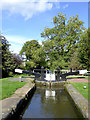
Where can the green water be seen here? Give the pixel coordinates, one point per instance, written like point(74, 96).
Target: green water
point(50, 103)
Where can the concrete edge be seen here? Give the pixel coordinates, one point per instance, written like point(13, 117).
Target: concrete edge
point(50, 84)
point(80, 102)
point(20, 105)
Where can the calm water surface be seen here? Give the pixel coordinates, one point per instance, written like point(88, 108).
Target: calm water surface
point(50, 103)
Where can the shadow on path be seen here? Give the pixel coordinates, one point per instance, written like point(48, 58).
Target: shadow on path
point(23, 79)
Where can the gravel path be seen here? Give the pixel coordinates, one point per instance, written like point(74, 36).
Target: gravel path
point(76, 80)
point(23, 79)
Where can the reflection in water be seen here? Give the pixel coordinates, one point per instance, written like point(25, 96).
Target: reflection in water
point(50, 94)
point(50, 104)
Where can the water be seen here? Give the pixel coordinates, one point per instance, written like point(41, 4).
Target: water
point(47, 103)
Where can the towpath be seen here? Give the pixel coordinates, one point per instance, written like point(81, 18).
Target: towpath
point(77, 80)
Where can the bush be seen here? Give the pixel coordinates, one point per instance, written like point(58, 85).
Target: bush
point(22, 67)
point(10, 74)
point(63, 72)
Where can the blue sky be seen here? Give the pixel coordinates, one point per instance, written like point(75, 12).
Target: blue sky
point(23, 21)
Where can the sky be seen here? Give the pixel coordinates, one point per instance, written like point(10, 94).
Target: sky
point(26, 20)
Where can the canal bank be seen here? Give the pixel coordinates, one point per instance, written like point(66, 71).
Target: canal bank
point(16, 103)
point(13, 106)
point(80, 102)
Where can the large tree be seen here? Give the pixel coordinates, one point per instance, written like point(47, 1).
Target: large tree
point(84, 50)
point(17, 60)
point(9, 61)
point(8, 64)
point(74, 60)
point(61, 40)
point(80, 58)
point(40, 57)
point(28, 50)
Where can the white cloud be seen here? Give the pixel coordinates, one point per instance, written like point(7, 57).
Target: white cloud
point(26, 8)
point(15, 48)
point(16, 39)
point(65, 6)
point(17, 42)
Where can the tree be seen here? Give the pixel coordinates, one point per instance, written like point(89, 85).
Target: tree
point(74, 60)
point(61, 40)
point(8, 64)
point(17, 60)
point(84, 50)
point(29, 49)
point(80, 58)
point(88, 48)
point(40, 57)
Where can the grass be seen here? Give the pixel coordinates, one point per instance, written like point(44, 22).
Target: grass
point(9, 87)
point(26, 75)
point(15, 76)
point(80, 88)
point(84, 77)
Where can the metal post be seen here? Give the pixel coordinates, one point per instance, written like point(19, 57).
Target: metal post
point(20, 79)
point(29, 71)
point(70, 69)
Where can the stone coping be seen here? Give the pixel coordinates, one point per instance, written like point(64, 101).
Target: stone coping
point(14, 103)
point(50, 84)
point(80, 102)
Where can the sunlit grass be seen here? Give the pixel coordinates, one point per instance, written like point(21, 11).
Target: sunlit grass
point(80, 88)
point(9, 87)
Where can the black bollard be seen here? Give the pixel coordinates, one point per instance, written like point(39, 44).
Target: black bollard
point(29, 72)
point(70, 69)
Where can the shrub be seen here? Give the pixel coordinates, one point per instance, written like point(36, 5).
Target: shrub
point(10, 74)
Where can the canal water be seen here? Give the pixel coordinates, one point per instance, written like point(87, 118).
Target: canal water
point(50, 103)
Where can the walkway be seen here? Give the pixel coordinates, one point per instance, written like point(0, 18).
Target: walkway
point(77, 80)
point(23, 79)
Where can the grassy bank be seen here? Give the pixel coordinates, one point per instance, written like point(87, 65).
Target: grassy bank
point(7, 88)
point(80, 88)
